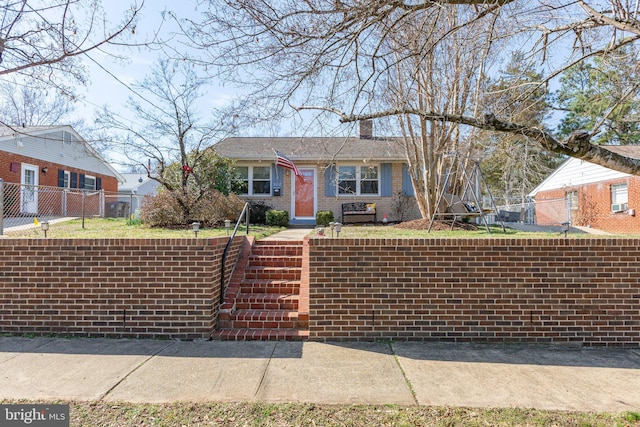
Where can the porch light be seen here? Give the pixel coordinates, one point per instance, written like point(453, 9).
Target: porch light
point(45, 170)
point(195, 227)
point(45, 227)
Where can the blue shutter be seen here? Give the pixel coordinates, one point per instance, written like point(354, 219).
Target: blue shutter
point(98, 183)
point(407, 187)
point(386, 178)
point(81, 181)
point(276, 178)
point(330, 181)
point(74, 179)
point(60, 178)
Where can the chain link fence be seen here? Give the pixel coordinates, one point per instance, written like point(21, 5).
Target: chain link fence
point(27, 210)
point(552, 212)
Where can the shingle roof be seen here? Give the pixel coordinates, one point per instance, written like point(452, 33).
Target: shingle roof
point(312, 149)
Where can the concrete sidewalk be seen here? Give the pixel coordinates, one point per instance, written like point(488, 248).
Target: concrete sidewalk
point(473, 375)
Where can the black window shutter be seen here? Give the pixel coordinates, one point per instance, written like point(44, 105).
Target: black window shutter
point(74, 179)
point(81, 180)
point(60, 178)
point(98, 183)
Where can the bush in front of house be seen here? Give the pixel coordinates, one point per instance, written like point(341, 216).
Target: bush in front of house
point(324, 217)
point(258, 211)
point(174, 208)
point(214, 207)
point(161, 210)
point(277, 218)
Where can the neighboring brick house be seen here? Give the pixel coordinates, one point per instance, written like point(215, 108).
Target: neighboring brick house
point(51, 156)
point(335, 171)
point(586, 194)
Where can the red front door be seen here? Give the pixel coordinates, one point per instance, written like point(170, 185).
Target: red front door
point(304, 204)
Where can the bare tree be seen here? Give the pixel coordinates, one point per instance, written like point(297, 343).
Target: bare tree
point(165, 136)
point(379, 59)
point(29, 106)
point(42, 43)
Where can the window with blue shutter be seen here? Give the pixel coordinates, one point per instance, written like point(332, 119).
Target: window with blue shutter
point(81, 181)
point(74, 179)
point(330, 181)
point(98, 183)
point(60, 178)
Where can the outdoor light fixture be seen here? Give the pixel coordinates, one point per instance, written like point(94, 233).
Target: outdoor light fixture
point(565, 228)
point(45, 227)
point(332, 225)
point(196, 227)
point(45, 169)
point(338, 227)
point(227, 225)
point(140, 179)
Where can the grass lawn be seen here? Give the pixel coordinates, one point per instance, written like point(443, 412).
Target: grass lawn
point(118, 228)
point(121, 228)
point(389, 231)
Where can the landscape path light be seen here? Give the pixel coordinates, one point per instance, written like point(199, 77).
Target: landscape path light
point(45, 227)
point(195, 227)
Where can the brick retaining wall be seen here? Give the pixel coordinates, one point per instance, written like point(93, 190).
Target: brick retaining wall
point(523, 290)
point(139, 288)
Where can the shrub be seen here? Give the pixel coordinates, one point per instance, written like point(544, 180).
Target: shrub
point(258, 211)
point(161, 210)
point(324, 217)
point(277, 218)
point(173, 208)
point(214, 207)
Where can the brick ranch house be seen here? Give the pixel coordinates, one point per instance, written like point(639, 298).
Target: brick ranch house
point(51, 156)
point(593, 195)
point(334, 171)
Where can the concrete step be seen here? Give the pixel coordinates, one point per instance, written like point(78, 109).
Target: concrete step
point(260, 335)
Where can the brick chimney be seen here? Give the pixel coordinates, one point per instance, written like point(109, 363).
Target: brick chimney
point(366, 129)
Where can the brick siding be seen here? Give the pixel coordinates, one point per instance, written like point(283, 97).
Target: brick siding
point(109, 183)
point(137, 288)
point(493, 290)
point(593, 208)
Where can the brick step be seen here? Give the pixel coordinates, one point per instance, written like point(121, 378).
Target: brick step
point(275, 261)
point(272, 273)
point(260, 335)
point(266, 302)
point(262, 319)
point(274, 249)
point(270, 287)
point(276, 252)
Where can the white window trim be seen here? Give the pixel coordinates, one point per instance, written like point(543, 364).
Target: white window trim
point(250, 181)
point(67, 179)
point(95, 182)
point(619, 204)
point(358, 180)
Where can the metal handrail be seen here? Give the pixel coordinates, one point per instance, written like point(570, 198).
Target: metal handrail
point(245, 211)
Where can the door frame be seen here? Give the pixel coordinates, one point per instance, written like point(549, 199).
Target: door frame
point(28, 206)
point(315, 193)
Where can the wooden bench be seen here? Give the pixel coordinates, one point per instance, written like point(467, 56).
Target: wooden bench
point(358, 208)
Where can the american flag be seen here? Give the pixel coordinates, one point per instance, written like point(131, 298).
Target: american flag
point(285, 162)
